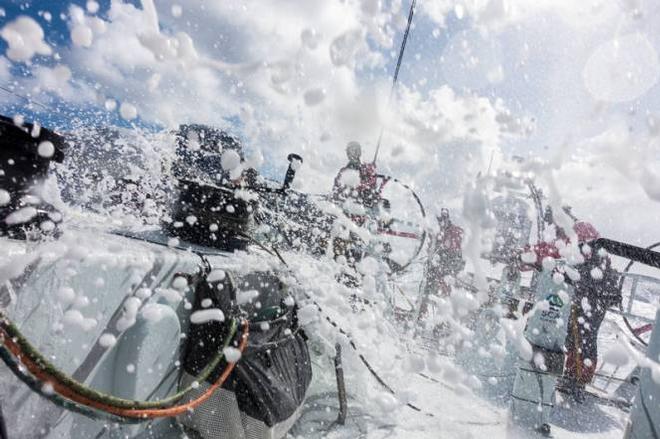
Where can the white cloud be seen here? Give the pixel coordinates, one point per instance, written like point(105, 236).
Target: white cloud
point(263, 63)
point(494, 15)
point(622, 69)
point(25, 39)
point(611, 180)
point(5, 65)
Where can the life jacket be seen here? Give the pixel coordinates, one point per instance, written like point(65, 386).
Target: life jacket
point(447, 257)
point(366, 192)
point(450, 239)
point(585, 232)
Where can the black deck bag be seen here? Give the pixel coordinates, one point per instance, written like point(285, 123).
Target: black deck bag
point(264, 394)
point(210, 215)
point(206, 210)
point(22, 168)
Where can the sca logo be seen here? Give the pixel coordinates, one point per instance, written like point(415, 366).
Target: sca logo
point(555, 300)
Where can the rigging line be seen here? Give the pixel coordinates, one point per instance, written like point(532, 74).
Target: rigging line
point(18, 95)
point(647, 413)
point(396, 73)
point(44, 371)
point(29, 352)
point(3, 427)
point(403, 43)
point(352, 344)
point(37, 386)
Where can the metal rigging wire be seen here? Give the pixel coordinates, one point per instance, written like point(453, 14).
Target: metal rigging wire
point(396, 72)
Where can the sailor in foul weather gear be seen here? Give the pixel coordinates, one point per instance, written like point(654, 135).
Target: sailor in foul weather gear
point(445, 254)
point(541, 360)
point(354, 188)
point(356, 181)
point(568, 301)
point(445, 258)
point(596, 291)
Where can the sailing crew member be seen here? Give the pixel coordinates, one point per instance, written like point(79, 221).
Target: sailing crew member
point(356, 180)
point(445, 258)
point(445, 255)
point(594, 292)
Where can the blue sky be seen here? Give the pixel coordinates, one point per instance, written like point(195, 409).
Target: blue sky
point(423, 51)
point(524, 90)
point(58, 113)
point(542, 53)
point(63, 115)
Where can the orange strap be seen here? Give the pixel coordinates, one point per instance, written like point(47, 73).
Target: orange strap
point(63, 390)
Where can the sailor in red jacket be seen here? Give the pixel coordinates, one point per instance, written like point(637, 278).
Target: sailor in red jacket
point(356, 180)
point(445, 255)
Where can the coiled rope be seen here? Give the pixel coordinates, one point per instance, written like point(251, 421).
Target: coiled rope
point(67, 392)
